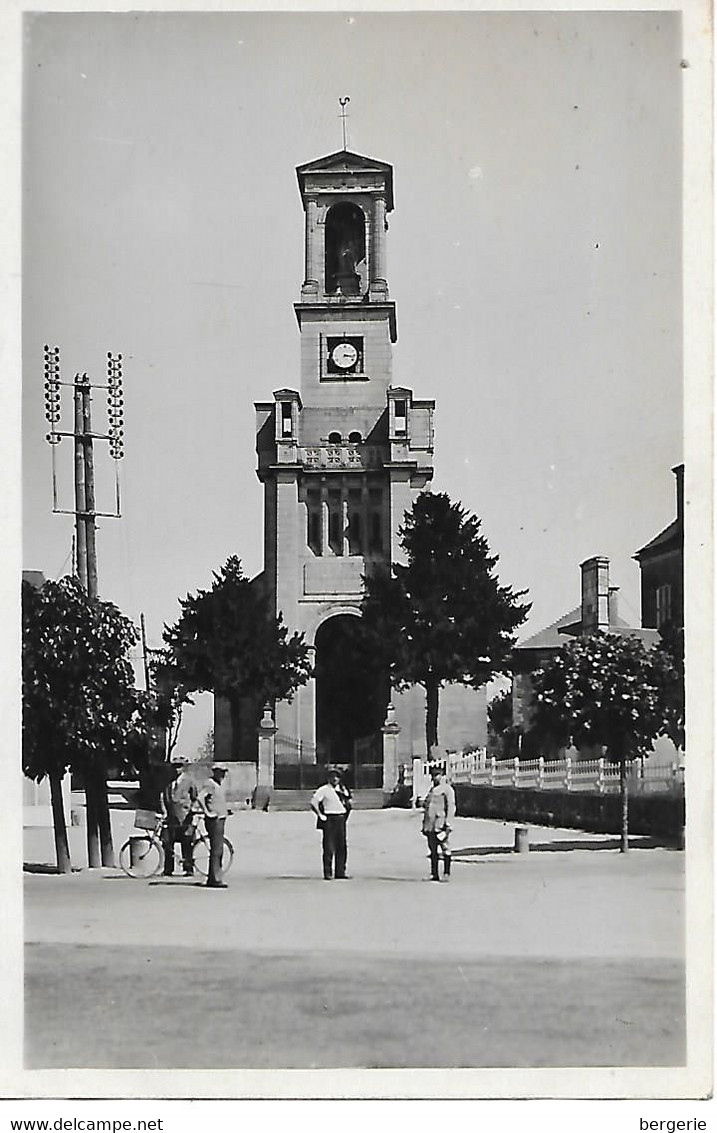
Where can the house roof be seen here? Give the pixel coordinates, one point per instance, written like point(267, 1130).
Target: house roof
point(550, 637)
point(570, 624)
point(344, 161)
point(670, 539)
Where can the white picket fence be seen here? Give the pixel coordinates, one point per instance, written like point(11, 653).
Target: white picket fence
point(567, 774)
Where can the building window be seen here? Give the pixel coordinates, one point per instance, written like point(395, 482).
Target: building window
point(336, 540)
point(334, 438)
point(400, 417)
point(355, 438)
point(287, 427)
point(663, 605)
point(313, 536)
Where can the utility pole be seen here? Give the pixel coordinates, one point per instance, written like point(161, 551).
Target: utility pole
point(99, 834)
point(90, 521)
point(80, 489)
point(145, 660)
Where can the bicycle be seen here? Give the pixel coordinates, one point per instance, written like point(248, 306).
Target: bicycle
point(142, 855)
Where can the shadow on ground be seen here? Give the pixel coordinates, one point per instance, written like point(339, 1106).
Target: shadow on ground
point(558, 847)
point(44, 867)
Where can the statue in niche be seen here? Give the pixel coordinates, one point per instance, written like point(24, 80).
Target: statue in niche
point(347, 255)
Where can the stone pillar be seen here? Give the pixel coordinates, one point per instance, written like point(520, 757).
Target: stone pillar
point(378, 244)
point(265, 765)
point(325, 549)
point(345, 549)
point(390, 753)
point(312, 274)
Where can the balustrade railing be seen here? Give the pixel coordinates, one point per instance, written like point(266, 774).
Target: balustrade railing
point(342, 456)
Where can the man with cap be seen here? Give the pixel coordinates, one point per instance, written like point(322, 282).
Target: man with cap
point(439, 810)
point(180, 797)
point(331, 804)
point(213, 802)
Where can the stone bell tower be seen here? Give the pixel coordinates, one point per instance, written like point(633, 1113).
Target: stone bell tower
point(341, 458)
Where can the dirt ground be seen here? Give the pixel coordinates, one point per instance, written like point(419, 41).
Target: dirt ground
point(571, 955)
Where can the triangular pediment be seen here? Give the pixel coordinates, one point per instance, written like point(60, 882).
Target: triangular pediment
point(344, 161)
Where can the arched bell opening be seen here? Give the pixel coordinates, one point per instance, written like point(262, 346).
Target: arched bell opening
point(345, 244)
point(352, 695)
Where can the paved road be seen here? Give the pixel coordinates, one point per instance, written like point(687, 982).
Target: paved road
point(566, 956)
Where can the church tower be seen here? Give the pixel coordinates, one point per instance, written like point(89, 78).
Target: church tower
point(341, 459)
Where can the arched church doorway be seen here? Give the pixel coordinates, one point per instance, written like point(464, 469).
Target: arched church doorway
point(351, 699)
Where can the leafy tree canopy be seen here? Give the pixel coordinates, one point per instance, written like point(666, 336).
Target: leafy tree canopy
point(442, 617)
point(500, 713)
point(227, 641)
point(80, 706)
point(606, 690)
point(672, 647)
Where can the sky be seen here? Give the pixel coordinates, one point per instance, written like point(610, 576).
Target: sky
point(534, 256)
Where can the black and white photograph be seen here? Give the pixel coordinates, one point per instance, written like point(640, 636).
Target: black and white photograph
point(363, 680)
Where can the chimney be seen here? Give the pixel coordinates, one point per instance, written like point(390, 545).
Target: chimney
point(594, 607)
point(679, 473)
point(612, 605)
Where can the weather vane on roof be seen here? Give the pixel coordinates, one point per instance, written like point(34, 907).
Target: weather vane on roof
point(342, 104)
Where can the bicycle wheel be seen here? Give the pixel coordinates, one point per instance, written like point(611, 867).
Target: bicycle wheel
point(141, 856)
point(200, 855)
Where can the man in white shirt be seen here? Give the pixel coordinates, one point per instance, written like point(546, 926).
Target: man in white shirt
point(213, 801)
point(179, 799)
point(331, 804)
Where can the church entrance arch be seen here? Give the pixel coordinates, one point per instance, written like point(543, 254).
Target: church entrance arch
point(351, 699)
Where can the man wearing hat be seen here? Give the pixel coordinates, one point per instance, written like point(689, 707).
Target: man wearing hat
point(331, 804)
point(439, 810)
point(213, 802)
point(180, 796)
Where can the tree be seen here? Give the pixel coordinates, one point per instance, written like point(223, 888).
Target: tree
point(227, 641)
point(441, 617)
point(80, 706)
point(501, 734)
point(206, 748)
point(672, 647)
point(168, 698)
point(609, 691)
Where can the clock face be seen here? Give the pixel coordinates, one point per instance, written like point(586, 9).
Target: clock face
point(344, 355)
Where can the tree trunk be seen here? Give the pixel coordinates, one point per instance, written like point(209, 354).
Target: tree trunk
point(431, 716)
point(62, 846)
point(234, 716)
point(94, 858)
point(170, 734)
point(624, 841)
point(104, 823)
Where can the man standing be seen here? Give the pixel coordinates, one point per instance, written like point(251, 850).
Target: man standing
point(213, 802)
point(331, 804)
point(179, 800)
point(439, 810)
